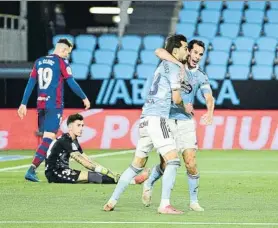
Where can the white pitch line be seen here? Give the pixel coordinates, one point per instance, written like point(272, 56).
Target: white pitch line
point(135, 222)
point(91, 156)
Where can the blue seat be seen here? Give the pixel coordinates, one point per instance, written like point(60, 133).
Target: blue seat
point(123, 71)
point(145, 70)
point(239, 72)
point(131, 42)
point(127, 57)
point(229, 30)
point(267, 44)
point(251, 30)
point(152, 42)
point(108, 42)
point(271, 30)
point(272, 16)
point(192, 5)
point(79, 71)
point(257, 5)
point(237, 5)
point(242, 58)
point(188, 16)
point(50, 51)
point(264, 57)
point(210, 16)
point(216, 72)
point(213, 5)
point(254, 16)
point(56, 38)
point(207, 30)
point(221, 43)
point(100, 71)
point(86, 42)
point(105, 57)
point(185, 29)
point(244, 43)
point(148, 57)
point(218, 57)
point(262, 72)
point(82, 56)
point(273, 5)
point(232, 16)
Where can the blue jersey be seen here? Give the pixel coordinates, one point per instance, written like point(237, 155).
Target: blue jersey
point(195, 79)
point(159, 98)
point(50, 72)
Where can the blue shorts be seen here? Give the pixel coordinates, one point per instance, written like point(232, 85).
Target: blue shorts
point(49, 120)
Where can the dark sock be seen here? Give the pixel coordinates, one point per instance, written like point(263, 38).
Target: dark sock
point(41, 152)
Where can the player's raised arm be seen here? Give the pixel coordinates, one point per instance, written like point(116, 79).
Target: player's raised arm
point(22, 110)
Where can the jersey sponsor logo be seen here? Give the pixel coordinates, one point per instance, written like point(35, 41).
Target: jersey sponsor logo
point(74, 147)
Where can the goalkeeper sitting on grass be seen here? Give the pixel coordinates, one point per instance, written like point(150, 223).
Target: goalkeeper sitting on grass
point(57, 168)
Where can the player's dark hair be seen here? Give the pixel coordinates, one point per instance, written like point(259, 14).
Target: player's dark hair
point(198, 42)
point(73, 118)
point(66, 42)
point(174, 41)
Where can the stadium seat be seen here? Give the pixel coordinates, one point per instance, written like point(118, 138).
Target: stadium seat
point(239, 72)
point(264, 57)
point(86, 42)
point(100, 71)
point(244, 43)
point(218, 57)
point(251, 30)
point(127, 57)
point(271, 30)
point(131, 42)
point(232, 16)
point(151, 42)
point(50, 51)
point(210, 16)
point(192, 5)
point(236, 5)
point(82, 56)
point(79, 71)
point(207, 30)
point(273, 5)
point(108, 42)
point(229, 30)
point(188, 16)
point(105, 57)
point(256, 5)
point(145, 70)
point(272, 16)
point(262, 72)
point(267, 44)
point(254, 16)
point(216, 72)
point(123, 71)
point(185, 29)
point(148, 57)
point(213, 5)
point(241, 58)
point(60, 36)
point(221, 43)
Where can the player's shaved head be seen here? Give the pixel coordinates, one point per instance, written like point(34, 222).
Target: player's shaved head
point(63, 48)
point(72, 118)
point(66, 42)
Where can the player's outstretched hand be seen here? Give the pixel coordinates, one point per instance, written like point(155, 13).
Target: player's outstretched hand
point(189, 108)
point(87, 103)
point(22, 111)
point(207, 118)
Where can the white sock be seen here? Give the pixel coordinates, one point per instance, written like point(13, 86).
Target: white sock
point(164, 203)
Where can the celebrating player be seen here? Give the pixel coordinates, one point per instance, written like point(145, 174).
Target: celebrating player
point(50, 72)
point(182, 123)
point(57, 168)
point(154, 130)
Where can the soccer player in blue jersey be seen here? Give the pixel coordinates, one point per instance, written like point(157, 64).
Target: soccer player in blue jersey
point(50, 72)
point(182, 122)
point(154, 129)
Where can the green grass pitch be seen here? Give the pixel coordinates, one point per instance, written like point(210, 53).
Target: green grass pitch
point(237, 189)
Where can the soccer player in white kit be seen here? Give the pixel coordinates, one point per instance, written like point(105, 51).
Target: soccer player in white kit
point(154, 131)
point(182, 122)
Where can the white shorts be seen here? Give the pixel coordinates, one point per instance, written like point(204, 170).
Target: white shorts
point(154, 132)
point(184, 133)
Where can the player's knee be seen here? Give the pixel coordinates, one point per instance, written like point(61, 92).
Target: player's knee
point(191, 167)
point(173, 154)
point(139, 162)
